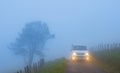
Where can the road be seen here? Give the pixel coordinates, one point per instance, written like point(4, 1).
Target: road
point(82, 67)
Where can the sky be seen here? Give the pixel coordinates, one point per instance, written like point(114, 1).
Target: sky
point(84, 22)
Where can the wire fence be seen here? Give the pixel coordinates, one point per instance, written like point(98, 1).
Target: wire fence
point(35, 68)
point(108, 54)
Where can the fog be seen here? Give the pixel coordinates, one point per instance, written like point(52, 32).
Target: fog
point(84, 22)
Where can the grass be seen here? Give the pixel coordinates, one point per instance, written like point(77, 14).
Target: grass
point(109, 60)
point(57, 66)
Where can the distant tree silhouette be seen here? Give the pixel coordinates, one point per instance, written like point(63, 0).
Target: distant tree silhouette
point(31, 41)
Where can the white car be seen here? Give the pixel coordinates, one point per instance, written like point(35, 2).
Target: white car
point(79, 53)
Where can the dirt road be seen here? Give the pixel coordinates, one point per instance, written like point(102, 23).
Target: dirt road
point(82, 67)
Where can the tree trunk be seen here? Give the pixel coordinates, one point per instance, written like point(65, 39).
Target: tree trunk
point(31, 57)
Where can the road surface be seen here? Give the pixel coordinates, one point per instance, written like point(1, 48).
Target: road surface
point(82, 67)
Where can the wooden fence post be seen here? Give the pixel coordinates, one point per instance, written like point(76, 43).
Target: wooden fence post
point(35, 67)
point(20, 71)
point(27, 69)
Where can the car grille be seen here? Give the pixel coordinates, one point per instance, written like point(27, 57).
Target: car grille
point(80, 53)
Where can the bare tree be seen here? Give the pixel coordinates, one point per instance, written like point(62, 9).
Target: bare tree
point(31, 41)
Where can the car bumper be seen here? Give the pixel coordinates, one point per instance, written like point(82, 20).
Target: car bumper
point(74, 58)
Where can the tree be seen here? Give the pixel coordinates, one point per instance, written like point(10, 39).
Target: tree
point(31, 41)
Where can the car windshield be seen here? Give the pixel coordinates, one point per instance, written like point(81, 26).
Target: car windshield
point(79, 48)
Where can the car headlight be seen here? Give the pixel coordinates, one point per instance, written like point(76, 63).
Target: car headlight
point(74, 54)
point(87, 54)
point(87, 58)
point(73, 58)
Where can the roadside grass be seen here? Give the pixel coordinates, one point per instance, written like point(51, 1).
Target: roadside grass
point(102, 65)
point(57, 66)
point(109, 60)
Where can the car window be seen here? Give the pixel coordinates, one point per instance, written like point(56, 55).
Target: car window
point(79, 48)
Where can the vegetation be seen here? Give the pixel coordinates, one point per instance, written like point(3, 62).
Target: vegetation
point(31, 41)
point(108, 58)
point(57, 66)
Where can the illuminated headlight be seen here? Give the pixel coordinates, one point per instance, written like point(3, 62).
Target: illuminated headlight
point(86, 54)
point(73, 58)
point(74, 54)
point(87, 58)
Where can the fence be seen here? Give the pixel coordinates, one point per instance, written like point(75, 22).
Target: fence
point(106, 47)
point(109, 55)
point(35, 68)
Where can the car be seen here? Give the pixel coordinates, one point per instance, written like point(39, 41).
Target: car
point(79, 52)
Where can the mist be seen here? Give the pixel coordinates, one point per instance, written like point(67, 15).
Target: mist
point(87, 22)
